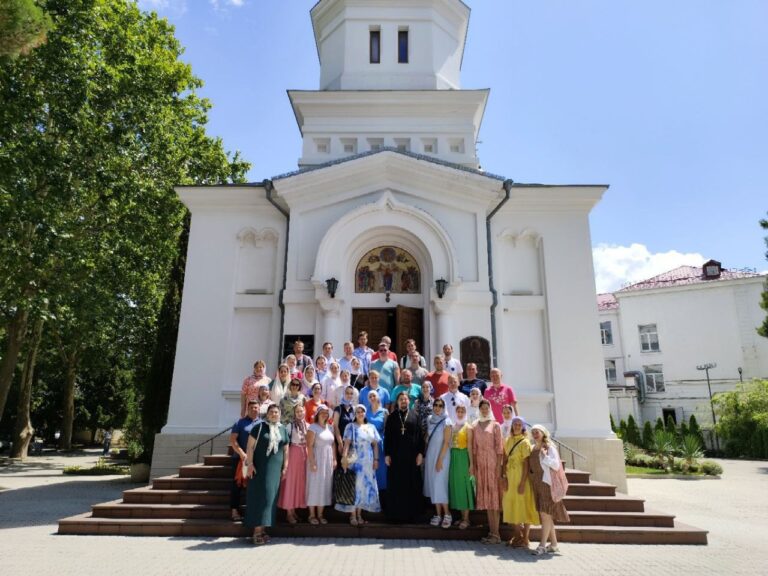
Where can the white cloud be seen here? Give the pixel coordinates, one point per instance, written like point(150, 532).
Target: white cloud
point(219, 4)
point(176, 6)
point(616, 266)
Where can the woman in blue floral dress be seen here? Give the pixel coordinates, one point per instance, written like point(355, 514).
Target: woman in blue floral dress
point(361, 454)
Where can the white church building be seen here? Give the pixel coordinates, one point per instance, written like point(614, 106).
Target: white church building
point(389, 202)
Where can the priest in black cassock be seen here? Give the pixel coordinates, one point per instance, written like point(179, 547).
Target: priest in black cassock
point(404, 452)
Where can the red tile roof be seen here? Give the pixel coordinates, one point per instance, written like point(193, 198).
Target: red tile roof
point(607, 302)
point(686, 275)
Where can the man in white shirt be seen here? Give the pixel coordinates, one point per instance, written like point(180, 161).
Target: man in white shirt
point(328, 353)
point(452, 365)
point(410, 348)
point(345, 362)
point(454, 397)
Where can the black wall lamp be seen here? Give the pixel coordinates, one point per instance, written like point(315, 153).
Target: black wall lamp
point(332, 284)
point(441, 285)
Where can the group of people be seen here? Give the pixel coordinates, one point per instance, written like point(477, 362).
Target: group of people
point(370, 432)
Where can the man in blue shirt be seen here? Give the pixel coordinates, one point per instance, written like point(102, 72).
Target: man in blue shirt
point(472, 381)
point(238, 441)
point(373, 384)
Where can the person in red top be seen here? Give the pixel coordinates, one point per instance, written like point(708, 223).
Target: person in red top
point(438, 378)
point(388, 341)
point(499, 395)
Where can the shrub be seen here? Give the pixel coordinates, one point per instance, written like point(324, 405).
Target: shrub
point(633, 433)
point(670, 426)
point(743, 420)
point(647, 434)
point(690, 449)
point(663, 448)
point(659, 424)
point(622, 433)
point(613, 424)
point(630, 452)
point(711, 468)
point(693, 428)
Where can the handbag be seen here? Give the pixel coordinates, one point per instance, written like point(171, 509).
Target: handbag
point(344, 480)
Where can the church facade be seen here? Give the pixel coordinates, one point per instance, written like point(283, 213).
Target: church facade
point(390, 225)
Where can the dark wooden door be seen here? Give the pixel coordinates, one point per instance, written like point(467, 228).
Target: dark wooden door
point(410, 324)
point(375, 321)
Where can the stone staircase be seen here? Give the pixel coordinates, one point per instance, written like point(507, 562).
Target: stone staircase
point(196, 503)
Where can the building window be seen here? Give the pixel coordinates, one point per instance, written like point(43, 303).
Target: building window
point(375, 144)
point(349, 145)
point(649, 338)
point(610, 371)
point(456, 145)
point(402, 46)
point(606, 334)
point(403, 144)
point(323, 145)
point(429, 145)
point(654, 378)
point(375, 46)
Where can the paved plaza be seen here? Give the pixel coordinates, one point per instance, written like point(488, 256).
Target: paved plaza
point(33, 496)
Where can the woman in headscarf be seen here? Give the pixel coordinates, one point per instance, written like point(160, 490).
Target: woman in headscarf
point(343, 415)
point(291, 400)
point(378, 417)
point(473, 412)
point(506, 425)
point(338, 395)
point(518, 504)
point(461, 491)
point(267, 459)
point(331, 382)
point(487, 459)
point(437, 463)
point(362, 440)
point(543, 462)
point(279, 385)
point(308, 379)
point(321, 460)
point(293, 486)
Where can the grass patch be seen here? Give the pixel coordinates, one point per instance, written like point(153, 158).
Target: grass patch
point(102, 468)
point(642, 470)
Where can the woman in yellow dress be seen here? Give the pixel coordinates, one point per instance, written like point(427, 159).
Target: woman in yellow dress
point(518, 503)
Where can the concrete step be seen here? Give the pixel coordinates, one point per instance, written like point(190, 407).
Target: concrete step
point(207, 471)
point(588, 518)
point(88, 524)
point(155, 496)
point(176, 483)
point(217, 460)
point(119, 509)
point(618, 503)
point(591, 489)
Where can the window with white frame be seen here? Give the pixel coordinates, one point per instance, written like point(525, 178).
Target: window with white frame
point(649, 338)
point(375, 144)
point(610, 371)
point(403, 144)
point(429, 145)
point(349, 145)
point(606, 333)
point(654, 378)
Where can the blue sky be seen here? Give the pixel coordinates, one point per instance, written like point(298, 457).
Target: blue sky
point(666, 101)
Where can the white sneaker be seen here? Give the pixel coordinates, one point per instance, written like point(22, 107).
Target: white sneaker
point(447, 521)
point(435, 521)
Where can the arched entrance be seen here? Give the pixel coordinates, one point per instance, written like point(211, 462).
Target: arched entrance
point(386, 223)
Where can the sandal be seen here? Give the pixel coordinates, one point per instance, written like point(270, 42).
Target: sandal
point(258, 540)
point(463, 525)
point(353, 520)
point(491, 539)
point(360, 521)
point(447, 521)
point(292, 519)
point(522, 543)
point(435, 521)
point(236, 516)
point(322, 520)
point(314, 521)
point(553, 550)
point(539, 551)
point(266, 538)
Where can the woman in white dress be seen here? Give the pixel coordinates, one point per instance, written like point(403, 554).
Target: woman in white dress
point(363, 439)
point(438, 462)
point(321, 460)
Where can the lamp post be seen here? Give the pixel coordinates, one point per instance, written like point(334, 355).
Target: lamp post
point(707, 367)
point(741, 375)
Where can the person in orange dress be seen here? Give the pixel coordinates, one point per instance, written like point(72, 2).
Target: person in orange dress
point(487, 460)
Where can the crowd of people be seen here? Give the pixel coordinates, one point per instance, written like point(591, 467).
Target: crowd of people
point(368, 432)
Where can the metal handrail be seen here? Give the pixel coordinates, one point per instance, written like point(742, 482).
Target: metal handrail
point(573, 451)
point(204, 442)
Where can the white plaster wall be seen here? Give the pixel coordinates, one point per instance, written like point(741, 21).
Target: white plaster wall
point(434, 49)
point(697, 325)
point(221, 333)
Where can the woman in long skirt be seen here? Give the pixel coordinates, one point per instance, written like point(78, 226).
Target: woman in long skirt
point(321, 460)
point(543, 462)
point(487, 459)
point(518, 503)
point(266, 463)
point(378, 417)
point(461, 493)
point(293, 487)
point(363, 439)
point(437, 463)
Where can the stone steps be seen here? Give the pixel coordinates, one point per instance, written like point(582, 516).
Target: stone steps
point(196, 503)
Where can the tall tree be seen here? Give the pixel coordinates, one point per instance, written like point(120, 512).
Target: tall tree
point(96, 127)
point(763, 330)
point(23, 26)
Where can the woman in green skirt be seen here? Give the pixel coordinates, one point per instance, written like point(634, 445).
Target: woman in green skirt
point(461, 491)
point(265, 465)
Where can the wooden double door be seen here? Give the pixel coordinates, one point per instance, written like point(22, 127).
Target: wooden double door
point(400, 324)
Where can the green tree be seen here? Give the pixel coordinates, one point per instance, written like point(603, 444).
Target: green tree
point(23, 26)
point(659, 424)
point(693, 428)
point(742, 419)
point(633, 433)
point(96, 127)
point(763, 330)
point(670, 425)
point(647, 434)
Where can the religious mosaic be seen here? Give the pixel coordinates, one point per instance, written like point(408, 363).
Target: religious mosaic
point(388, 269)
